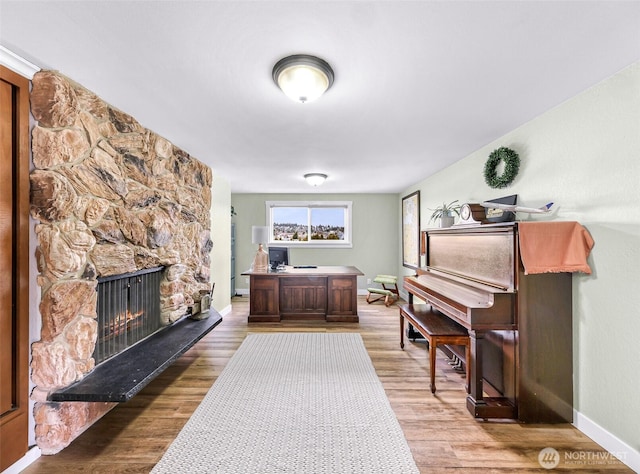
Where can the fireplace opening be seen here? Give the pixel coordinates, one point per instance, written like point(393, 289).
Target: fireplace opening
point(128, 310)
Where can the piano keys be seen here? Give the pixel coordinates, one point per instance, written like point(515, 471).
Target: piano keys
point(520, 326)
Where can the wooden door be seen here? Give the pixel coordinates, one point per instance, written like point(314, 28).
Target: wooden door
point(264, 303)
point(14, 284)
point(343, 303)
point(303, 297)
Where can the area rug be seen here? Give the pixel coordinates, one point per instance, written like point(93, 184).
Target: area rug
point(293, 403)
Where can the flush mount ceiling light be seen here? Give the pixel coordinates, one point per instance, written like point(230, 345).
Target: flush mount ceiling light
point(315, 179)
point(302, 77)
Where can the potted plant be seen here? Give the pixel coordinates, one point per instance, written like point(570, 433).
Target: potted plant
point(446, 213)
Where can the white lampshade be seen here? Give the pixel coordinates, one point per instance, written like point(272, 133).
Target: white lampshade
point(315, 179)
point(259, 234)
point(303, 78)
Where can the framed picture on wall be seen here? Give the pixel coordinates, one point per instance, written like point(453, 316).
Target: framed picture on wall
point(411, 230)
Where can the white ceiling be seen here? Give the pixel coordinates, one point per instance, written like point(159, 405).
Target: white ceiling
point(419, 84)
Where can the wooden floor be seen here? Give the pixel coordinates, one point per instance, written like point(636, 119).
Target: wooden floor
point(441, 433)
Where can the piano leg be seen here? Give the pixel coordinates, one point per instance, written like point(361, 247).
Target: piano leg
point(475, 364)
point(413, 334)
point(477, 404)
point(467, 355)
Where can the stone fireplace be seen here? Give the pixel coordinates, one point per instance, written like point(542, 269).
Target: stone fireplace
point(110, 198)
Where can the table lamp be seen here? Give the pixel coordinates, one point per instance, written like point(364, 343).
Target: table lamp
point(260, 234)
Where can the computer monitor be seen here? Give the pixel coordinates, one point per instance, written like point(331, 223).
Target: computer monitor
point(278, 256)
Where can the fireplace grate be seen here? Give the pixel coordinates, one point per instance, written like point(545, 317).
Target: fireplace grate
point(128, 310)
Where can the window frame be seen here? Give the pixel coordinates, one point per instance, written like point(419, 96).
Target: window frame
point(347, 242)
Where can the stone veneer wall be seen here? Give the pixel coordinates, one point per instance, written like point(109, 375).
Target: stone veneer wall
point(112, 197)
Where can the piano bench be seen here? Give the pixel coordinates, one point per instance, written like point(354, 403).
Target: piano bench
point(437, 329)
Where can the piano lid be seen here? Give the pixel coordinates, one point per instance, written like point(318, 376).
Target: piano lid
point(482, 256)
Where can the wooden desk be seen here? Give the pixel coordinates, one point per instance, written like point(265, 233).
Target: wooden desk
point(325, 293)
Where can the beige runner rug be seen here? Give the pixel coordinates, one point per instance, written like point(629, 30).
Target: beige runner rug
point(293, 403)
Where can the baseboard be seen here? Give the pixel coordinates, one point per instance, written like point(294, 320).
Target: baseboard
point(225, 311)
point(24, 462)
point(618, 448)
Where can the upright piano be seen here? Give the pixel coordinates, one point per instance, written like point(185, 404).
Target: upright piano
point(520, 326)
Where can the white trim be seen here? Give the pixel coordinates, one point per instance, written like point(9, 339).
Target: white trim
point(225, 311)
point(26, 69)
point(24, 462)
point(17, 64)
point(608, 441)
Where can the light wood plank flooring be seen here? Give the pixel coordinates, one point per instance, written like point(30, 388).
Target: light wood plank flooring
point(442, 435)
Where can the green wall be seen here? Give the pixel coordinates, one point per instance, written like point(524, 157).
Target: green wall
point(221, 238)
point(375, 234)
point(585, 156)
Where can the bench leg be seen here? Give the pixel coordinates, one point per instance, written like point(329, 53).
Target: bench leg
point(401, 331)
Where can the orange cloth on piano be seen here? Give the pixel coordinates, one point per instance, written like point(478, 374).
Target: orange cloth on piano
point(554, 247)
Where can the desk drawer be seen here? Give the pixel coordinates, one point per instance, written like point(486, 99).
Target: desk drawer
point(303, 281)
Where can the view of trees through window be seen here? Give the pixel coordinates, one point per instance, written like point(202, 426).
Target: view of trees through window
point(308, 223)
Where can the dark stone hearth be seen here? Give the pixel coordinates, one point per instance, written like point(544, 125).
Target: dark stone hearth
point(123, 376)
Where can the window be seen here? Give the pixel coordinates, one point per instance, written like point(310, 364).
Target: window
point(309, 223)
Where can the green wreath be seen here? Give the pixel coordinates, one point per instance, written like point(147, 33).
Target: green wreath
point(511, 166)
